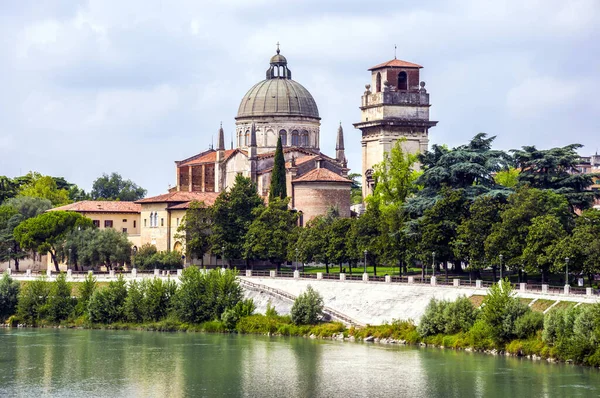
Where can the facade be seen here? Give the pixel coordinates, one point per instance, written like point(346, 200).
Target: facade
point(395, 105)
point(277, 107)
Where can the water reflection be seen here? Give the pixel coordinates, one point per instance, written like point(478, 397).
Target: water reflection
point(75, 363)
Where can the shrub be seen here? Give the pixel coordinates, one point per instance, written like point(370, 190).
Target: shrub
point(231, 316)
point(480, 336)
point(447, 317)
point(60, 303)
point(500, 310)
point(528, 324)
point(86, 290)
point(204, 296)
point(307, 308)
point(271, 311)
point(141, 259)
point(132, 307)
point(9, 295)
point(558, 324)
point(107, 305)
point(156, 298)
point(32, 300)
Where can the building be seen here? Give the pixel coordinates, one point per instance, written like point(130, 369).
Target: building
point(395, 105)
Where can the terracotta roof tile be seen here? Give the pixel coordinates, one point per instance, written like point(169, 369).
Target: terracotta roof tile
point(101, 206)
point(287, 150)
point(209, 157)
point(321, 175)
point(396, 63)
point(182, 196)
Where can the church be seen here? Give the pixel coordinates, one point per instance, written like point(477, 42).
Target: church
point(395, 105)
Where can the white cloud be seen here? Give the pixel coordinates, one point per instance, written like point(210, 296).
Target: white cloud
point(537, 96)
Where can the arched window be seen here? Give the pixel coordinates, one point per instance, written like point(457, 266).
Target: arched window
point(402, 81)
point(378, 83)
point(240, 135)
point(283, 135)
point(247, 138)
point(304, 137)
point(295, 138)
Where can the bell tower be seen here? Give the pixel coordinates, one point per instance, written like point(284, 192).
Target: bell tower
point(393, 106)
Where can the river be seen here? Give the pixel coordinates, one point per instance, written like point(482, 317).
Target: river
point(98, 363)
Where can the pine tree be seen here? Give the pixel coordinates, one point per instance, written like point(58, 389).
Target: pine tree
point(278, 186)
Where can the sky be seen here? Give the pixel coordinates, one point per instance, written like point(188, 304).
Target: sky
point(101, 86)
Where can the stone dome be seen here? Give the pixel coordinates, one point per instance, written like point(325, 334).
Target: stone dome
point(278, 96)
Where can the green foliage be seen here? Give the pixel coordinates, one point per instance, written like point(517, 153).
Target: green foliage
point(204, 296)
point(529, 324)
point(141, 259)
point(233, 213)
point(9, 293)
point(307, 308)
point(132, 307)
point(60, 302)
point(271, 312)
point(195, 229)
point(45, 187)
point(447, 317)
point(231, 316)
point(268, 235)
point(278, 188)
point(508, 178)
point(501, 310)
point(32, 301)
point(107, 305)
point(355, 188)
point(46, 231)
point(165, 260)
point(86, 290)
point(113, 187)
point(543, 233)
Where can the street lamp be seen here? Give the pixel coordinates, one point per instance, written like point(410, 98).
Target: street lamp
point(223, 256)
point(9, 250)
point(501, 257)
point(365, 265)
point(69, 259)
point(296, 259)
point(433, 263)
point(567, 271)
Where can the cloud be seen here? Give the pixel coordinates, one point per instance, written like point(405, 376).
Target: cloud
point(103, 85)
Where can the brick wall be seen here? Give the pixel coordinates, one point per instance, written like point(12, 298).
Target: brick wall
point(315, 198)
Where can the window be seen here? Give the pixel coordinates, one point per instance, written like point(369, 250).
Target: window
point(96, 223)
point(124, 220)
point(145, 225)
point(295, 138)
point(108, 223)
point(283, 135)
point(125, 230)
point(304, 138)
point(135, 223)
point(247, 138)
point(378, 83)
point(162, 222)
point(177, 221)
point(402, 81)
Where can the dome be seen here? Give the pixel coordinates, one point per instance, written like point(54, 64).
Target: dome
point(278, 97)
point(278, 59)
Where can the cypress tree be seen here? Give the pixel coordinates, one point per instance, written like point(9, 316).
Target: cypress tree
point(278, 186)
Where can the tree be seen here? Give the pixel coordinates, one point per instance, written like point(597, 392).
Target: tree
point(8, 188)
point(12, 213)
point(582, 247)
point(500, 311)
point(233, 213)
point(364, 234)
point(111, 248)
point(269, 234)
point(195, 229)
point(45, 232)
point(108, 305)
point(312, 241)
point(556, 169)
point(32, 301)
point(142, 258)
point(114, 187)
point(508, 178)
point(45, 187)
point(278, 188)
point(355, 188)
point(543, 233)
point(60, 302)
point(337, 243)
point(9, 292)
point(470, 167)
point(508, 237)
point(472, 232)
point(307, 308)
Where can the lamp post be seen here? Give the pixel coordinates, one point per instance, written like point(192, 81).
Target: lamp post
point(501, 257)
point(433, 263)
point(69, 259)
point(9, 250)
point(567, 270)
point(296, 259)
point(365, 265)
point(223, 256)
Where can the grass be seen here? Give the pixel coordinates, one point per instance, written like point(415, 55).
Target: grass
point(381, 271)
point(542, 305)
point(476, 300)
point(562, 305)
point(525, 301)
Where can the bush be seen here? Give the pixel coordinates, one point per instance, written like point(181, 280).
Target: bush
point(480, 336)
point(60, 303)
point(231, 316)
point(204, 296)
point(447, 317)
point(558, 324)
point(107, 305)
point(528, 325)
point(132, 307)
point(500, 310)
point(86, 290)
point(307, 308)
point(9, 295)
point(271, 311)
point(32, 301)
point(141, 259)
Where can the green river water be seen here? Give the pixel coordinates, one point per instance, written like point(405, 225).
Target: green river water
point(97, 363)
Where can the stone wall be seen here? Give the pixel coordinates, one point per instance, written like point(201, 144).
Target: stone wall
point(315, 198)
